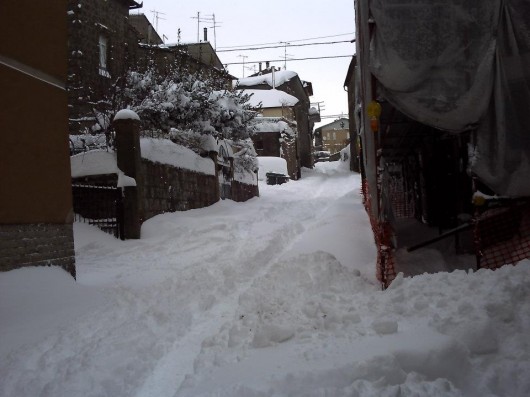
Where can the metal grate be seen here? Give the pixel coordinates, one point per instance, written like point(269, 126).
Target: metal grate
point(99, 205)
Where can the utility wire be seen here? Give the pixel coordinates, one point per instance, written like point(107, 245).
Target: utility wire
point(291, 41)
point(293, 59)
point(283, 46)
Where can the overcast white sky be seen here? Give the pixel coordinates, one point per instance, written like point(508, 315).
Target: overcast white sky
point(243, 23)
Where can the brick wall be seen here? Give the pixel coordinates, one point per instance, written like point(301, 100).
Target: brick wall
point(169, 189)
point(37, 245)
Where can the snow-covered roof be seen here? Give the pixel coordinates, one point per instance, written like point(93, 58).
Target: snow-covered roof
point(270, 98)
point(339, 124)
point(280, 77)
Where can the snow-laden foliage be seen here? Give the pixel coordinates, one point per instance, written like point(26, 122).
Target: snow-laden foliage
point(245, 157)
point(186, 102)
point(187, 138)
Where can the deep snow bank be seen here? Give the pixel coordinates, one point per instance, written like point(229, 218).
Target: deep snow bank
point(272, 297)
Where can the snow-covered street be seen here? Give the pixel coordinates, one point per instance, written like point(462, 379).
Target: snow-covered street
point(273, 297)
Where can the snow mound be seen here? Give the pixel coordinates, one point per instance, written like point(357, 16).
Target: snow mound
point(126, 114)
point(166, 152)
point(268, 164)
point(94, 162)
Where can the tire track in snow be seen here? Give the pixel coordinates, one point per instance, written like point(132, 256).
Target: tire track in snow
point(172, 369)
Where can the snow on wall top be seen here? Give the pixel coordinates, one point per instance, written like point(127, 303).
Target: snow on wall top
point(126, 114)
point(101, 162)
point(166, 152)
point(280, 77)
point(270, 98)
point(94, 162)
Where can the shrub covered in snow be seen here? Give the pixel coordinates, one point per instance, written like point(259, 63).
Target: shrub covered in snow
point(185, 101)
point(245, 157)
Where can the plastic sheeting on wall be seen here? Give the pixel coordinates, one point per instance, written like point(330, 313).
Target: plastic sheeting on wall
point(458, 65)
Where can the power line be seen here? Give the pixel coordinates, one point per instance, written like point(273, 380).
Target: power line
point(291, 41)
point(293, 59)
point(284, 45)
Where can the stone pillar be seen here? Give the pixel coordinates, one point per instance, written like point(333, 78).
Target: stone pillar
point(128, 154)
point(213, 156)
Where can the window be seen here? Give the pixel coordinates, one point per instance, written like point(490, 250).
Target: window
point(103, 48)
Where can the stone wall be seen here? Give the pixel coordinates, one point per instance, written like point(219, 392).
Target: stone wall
point(289, 149)
point(243, 192)
point(169, 189)
point(37, 245)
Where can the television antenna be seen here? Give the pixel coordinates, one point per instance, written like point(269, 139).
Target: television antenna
point(243, 57)
point(157, 17)
point(285, 55)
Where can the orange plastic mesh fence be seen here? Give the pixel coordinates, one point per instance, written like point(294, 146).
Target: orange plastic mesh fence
point(386, 272)
point(502, 234)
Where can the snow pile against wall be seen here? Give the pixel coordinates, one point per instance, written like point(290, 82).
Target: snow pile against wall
point(166, 152)
point(459, 66)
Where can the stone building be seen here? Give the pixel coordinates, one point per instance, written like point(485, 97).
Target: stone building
point(353, 116)
point(101, 47)
point(276, 137)
point(146, 32)
point(105, 41)
point(290, 83)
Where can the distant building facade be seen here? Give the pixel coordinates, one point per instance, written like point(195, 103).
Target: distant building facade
point(290, 83)
point(334, 136)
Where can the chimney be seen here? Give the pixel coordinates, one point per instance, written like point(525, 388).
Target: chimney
point(205, 34)
point(267, 64)
point(260, 67)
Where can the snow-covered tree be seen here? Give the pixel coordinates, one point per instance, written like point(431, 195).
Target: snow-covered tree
point(186, 101)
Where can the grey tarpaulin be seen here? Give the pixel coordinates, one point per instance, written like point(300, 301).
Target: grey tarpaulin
point(458, 65)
